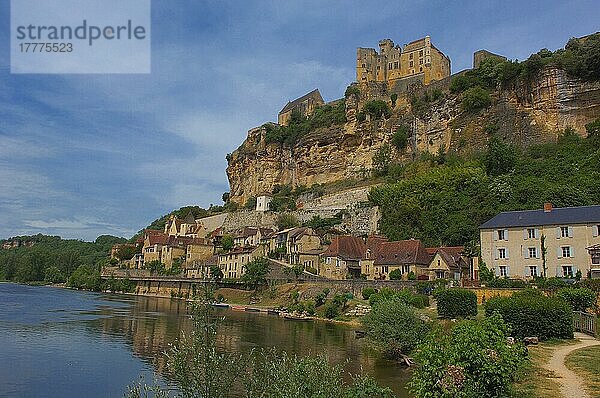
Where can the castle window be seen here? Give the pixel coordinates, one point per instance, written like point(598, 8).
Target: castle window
point(420, 53)
point(411, 64)
point(364, 66)
point(390, 65)
point(420, 62)
point(410, 56)
point(421, 69)
point(396, 65)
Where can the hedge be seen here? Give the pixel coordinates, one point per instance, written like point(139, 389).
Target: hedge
point(456, 303)
point(534, 315)
point(580, 299)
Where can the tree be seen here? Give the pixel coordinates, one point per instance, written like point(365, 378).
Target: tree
point(287, 220)
point(251, 203)
point(475, 99)
point(382, 160)
point(400, 138)
point(256, 272)
point(227, 242)
point(216, 272)
point(377, 109)
point(394, 98)
point(54, 275)
point(473, 360)
point(225, 197)
point(396, 274)
point(126, 252)
point(394, 327)
point(500, 157)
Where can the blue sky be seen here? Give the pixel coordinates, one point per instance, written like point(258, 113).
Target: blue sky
point(84, 155)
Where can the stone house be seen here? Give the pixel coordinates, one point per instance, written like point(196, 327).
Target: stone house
point(511, 242)
point(449, 263)
point(300, 241)
point(200, 269)
point(232, 263)
point(262, 202)
point(154, 241)
point(372, 245)
point(405, 255)
point(198, 249)
point(304, 105)
point(342, 259)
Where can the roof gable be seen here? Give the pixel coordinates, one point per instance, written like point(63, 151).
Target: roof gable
point(315, 94)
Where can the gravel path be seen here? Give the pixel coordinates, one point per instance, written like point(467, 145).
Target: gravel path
point(571, 384)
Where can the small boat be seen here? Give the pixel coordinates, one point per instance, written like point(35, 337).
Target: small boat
point(221, 305)
point(238, 307)
point(252, 309)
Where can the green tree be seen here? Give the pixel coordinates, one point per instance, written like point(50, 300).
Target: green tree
point(256, 272)
point(287, 220)
point(126, 252)
point(382, 160)
point(54, 275)
point(227, 242)
point(400, 138)
point(394, 327)
point(216, 272)
point(475, 99)
point(377, 109)
point(500, 157)
point(394, 98)
point(251, 203)
point(473, 360)
point(396, 274)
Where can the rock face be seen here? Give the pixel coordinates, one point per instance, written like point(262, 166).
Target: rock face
point(527, 113)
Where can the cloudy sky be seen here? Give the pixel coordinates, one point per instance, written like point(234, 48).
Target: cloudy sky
point(84, 155)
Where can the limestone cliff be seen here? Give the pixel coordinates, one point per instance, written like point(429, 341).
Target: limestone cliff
point(529, 112)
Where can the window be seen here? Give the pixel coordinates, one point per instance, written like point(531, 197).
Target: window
point(385, 269)
point(566, 251)
point(567, 271)
point(328, 260)
point(420, 62)
point(411, 64)
point(503, 270)
point(597, 230)
point(533, 270)
point(564, 232)
point(390, 65)
point(420, 53)
point(532, 252)
point(410, 56)
point(405, 268)
point(440, 274)
point(396, 65)
point(420, 69)
point(501, 234)
point(501, 253)
point(596, 259)
point(531, 233)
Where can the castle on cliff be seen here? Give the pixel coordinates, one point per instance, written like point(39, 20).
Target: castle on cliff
point(419, 58)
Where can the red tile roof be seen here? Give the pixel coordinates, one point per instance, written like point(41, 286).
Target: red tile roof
point(346, 247)
point(402, 252)
point(373, 242)
point(451, 255)
point(156, 237)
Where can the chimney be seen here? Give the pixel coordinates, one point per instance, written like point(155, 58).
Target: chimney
point(547, 207)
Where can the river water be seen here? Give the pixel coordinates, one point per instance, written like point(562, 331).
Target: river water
point(62, 343)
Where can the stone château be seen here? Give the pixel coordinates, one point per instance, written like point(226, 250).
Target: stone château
point(418, 58)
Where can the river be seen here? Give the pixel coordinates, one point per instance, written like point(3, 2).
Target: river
point(62, 343)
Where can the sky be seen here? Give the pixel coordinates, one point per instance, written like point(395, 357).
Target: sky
point(86, 155)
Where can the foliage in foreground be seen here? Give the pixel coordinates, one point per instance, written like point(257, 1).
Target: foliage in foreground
point(530, 313)
point(473, 360)
point(580, 299)
point(201, 370)
point(456, 303)
point(394, 327)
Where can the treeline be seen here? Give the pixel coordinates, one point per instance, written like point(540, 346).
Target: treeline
point(443, 199)
point(52, 259)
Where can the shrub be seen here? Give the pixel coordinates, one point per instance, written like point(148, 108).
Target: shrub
point(320, 299)
point(506, 283)
point(400, 138)
point(367, 292)
point(394, 327)
point(534, 315)
point(419, 300)
point(53, 275)
point(396, 274)
point(331, 311)
point(352, 90)
point(455, 303)
point(475, 99)
point(580, 299)
point(377, 109)
point(473, 360)
point(553, 283)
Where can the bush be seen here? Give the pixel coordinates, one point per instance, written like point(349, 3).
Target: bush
point(331, 311)
point(473, 360)
point(475, 99)
point(320, 299)
point(506, 283)
point(580, 299)
point(456, 303)
point(553, 283)
point(396, 274)
point(394, 327)
point(352, 90)
point(54, 275)
point(377, 109)
point(367, 292)
point(419, 300)
point(400, 138)
point(534, 315)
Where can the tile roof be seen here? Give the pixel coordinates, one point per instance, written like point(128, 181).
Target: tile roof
point(402, 252)
point(452, 256)
point(315, 94)
point(156, 237)
point(346, 247)
point(532, 218)
point(373, 242)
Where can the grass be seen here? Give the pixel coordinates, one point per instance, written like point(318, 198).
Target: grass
point(534, 381)
point(586, 363)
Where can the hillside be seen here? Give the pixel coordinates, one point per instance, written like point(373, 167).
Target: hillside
point(524, 104)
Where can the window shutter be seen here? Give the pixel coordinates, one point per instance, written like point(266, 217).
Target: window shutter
point(537, 233)
point(495, 235)
point(506, 234)
point(526, 252)
point(572, 250)
point(559, 252)
point(526, 272)
point(570, 232)
point(557, 232)
point(559, 271)
point(508, 271)
point(497, 254)
point(595, 230)
point(525, 234)
point(497, 270)
point(506, 252)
